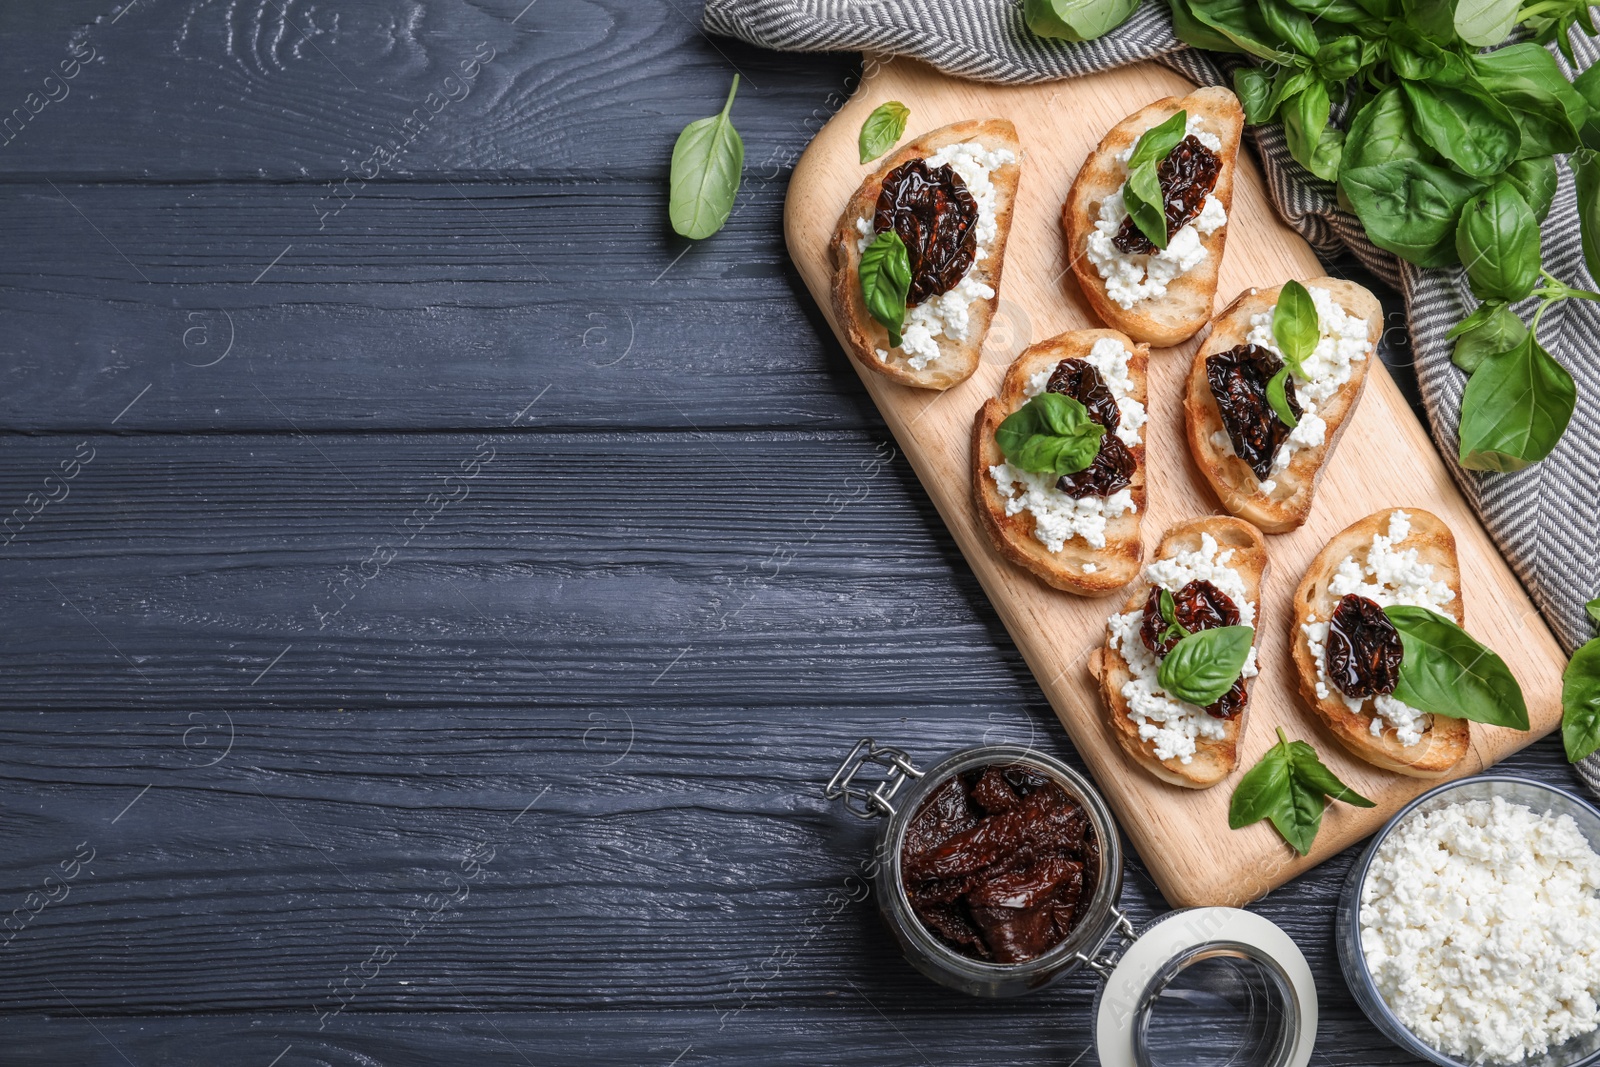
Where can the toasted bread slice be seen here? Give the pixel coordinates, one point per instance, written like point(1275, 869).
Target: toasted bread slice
point(1177, 315)
point(1078, 567)
point(865, 337)
point(1214, 758)
point(1444, 743)
point(1288, 504)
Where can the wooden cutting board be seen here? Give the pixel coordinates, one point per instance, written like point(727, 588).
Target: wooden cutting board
point(1384, 459)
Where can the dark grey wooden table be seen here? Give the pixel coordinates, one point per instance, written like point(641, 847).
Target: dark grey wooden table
point(433, 595)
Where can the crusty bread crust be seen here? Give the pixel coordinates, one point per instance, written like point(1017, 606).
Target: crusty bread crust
point(1115, 565)
point(864, 335)
point(1213, 760)
point(1174, 318)
point(1236, 485)
point(1444, 743)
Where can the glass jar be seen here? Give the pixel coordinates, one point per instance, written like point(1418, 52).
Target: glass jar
point(1231, 969)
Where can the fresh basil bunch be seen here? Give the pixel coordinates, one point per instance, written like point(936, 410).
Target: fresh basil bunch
point(1288, 787)
point(1447, 161)
point(1050, 434)
point(1141, 194)
point(1580, 696)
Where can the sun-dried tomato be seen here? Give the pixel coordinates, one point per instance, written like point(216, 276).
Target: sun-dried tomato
point(1113, 468)
point(1199, 605)
point(1363, 650)
point(1187, 176)
point(1238, 380)
point(937, 218)
point(998, 862)
point(1082, 381)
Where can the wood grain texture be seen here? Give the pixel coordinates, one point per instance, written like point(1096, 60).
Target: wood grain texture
point(1386, 459)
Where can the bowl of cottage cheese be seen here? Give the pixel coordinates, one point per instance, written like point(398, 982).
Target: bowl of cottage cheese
point(1469, 930)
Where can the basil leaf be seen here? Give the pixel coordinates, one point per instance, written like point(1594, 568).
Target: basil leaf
point(1253, 88)
point(1381, 132)
point(1587, 85)
point(1472, 130)
point(1291, 26)
point(1410, 208)
point(1305, 122)
point(1342, 11)
point(1585, 165)
point(1295, 327)
point(1446, 672)
point(1050, 434)
point(1309, 768)
point(882, 129)
point(1204, 665)
point(1287, 787)
point(1485, 23)
point(1593, 608)
point(1141, 195)
point(1169, 615)
point(1076, 20)
point(1498, 332)
point(1497, 238)
point(886, 281)
point(1156, 143)
point(1536, 180)
point(1191, 31)
point(1340, 58)
point(1580, 701)
point(707, 162)
point(1277, 397)
point(1433, 19)
point(1548, 111)
point(1515, 408)
point(1264, 790)
point(1239, 23)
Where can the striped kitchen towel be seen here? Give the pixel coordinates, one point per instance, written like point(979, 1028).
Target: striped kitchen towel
point(1546, 519)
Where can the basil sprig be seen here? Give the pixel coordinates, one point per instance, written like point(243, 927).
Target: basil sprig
point(1141, 194)
point(1449, 160)
point(882, 129)
point(1204, 665)
point(1050, 434)
point(1288, 786)
point(1295, 326)
point(1580, 696)
point(1076, 20)
point(707, 161)
point(1278, 397)
point(1169, 615)
point(886, 281)
point(1445, 671)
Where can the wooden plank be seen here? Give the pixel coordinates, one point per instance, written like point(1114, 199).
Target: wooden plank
point(422, 306)
point(301, 91)
point(1386, 459)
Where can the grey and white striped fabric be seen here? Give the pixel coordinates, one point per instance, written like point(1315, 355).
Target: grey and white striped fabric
point(1546, 518)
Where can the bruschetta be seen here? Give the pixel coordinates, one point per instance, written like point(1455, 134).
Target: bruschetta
point(949, 195)
point(1392, 556)
point(1078, 532)
point(1162, 296)
point(1260, 467)
point(1213, 568)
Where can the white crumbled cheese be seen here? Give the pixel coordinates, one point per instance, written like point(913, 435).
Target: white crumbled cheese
point(1396, 577)
point(949, 314)
point(1132, 277)
point(1089, 568)
point(1342, 341)
point(1057, 516)
point(1173, 725)
point(1480, 925)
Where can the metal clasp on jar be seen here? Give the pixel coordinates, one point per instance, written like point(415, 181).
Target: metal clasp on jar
point(860, 801)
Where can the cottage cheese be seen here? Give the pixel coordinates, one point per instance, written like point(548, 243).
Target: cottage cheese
point(1481, 928)
point(1172, 725)
point(1396, 577)
point(1057, 516)
point(949, 314)
point(1131, 277)
point(1343, 341)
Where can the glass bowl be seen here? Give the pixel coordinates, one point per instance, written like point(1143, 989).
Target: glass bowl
point(1583, 1049)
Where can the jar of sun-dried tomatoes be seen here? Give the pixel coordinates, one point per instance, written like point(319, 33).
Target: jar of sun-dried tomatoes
point(999, 871)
